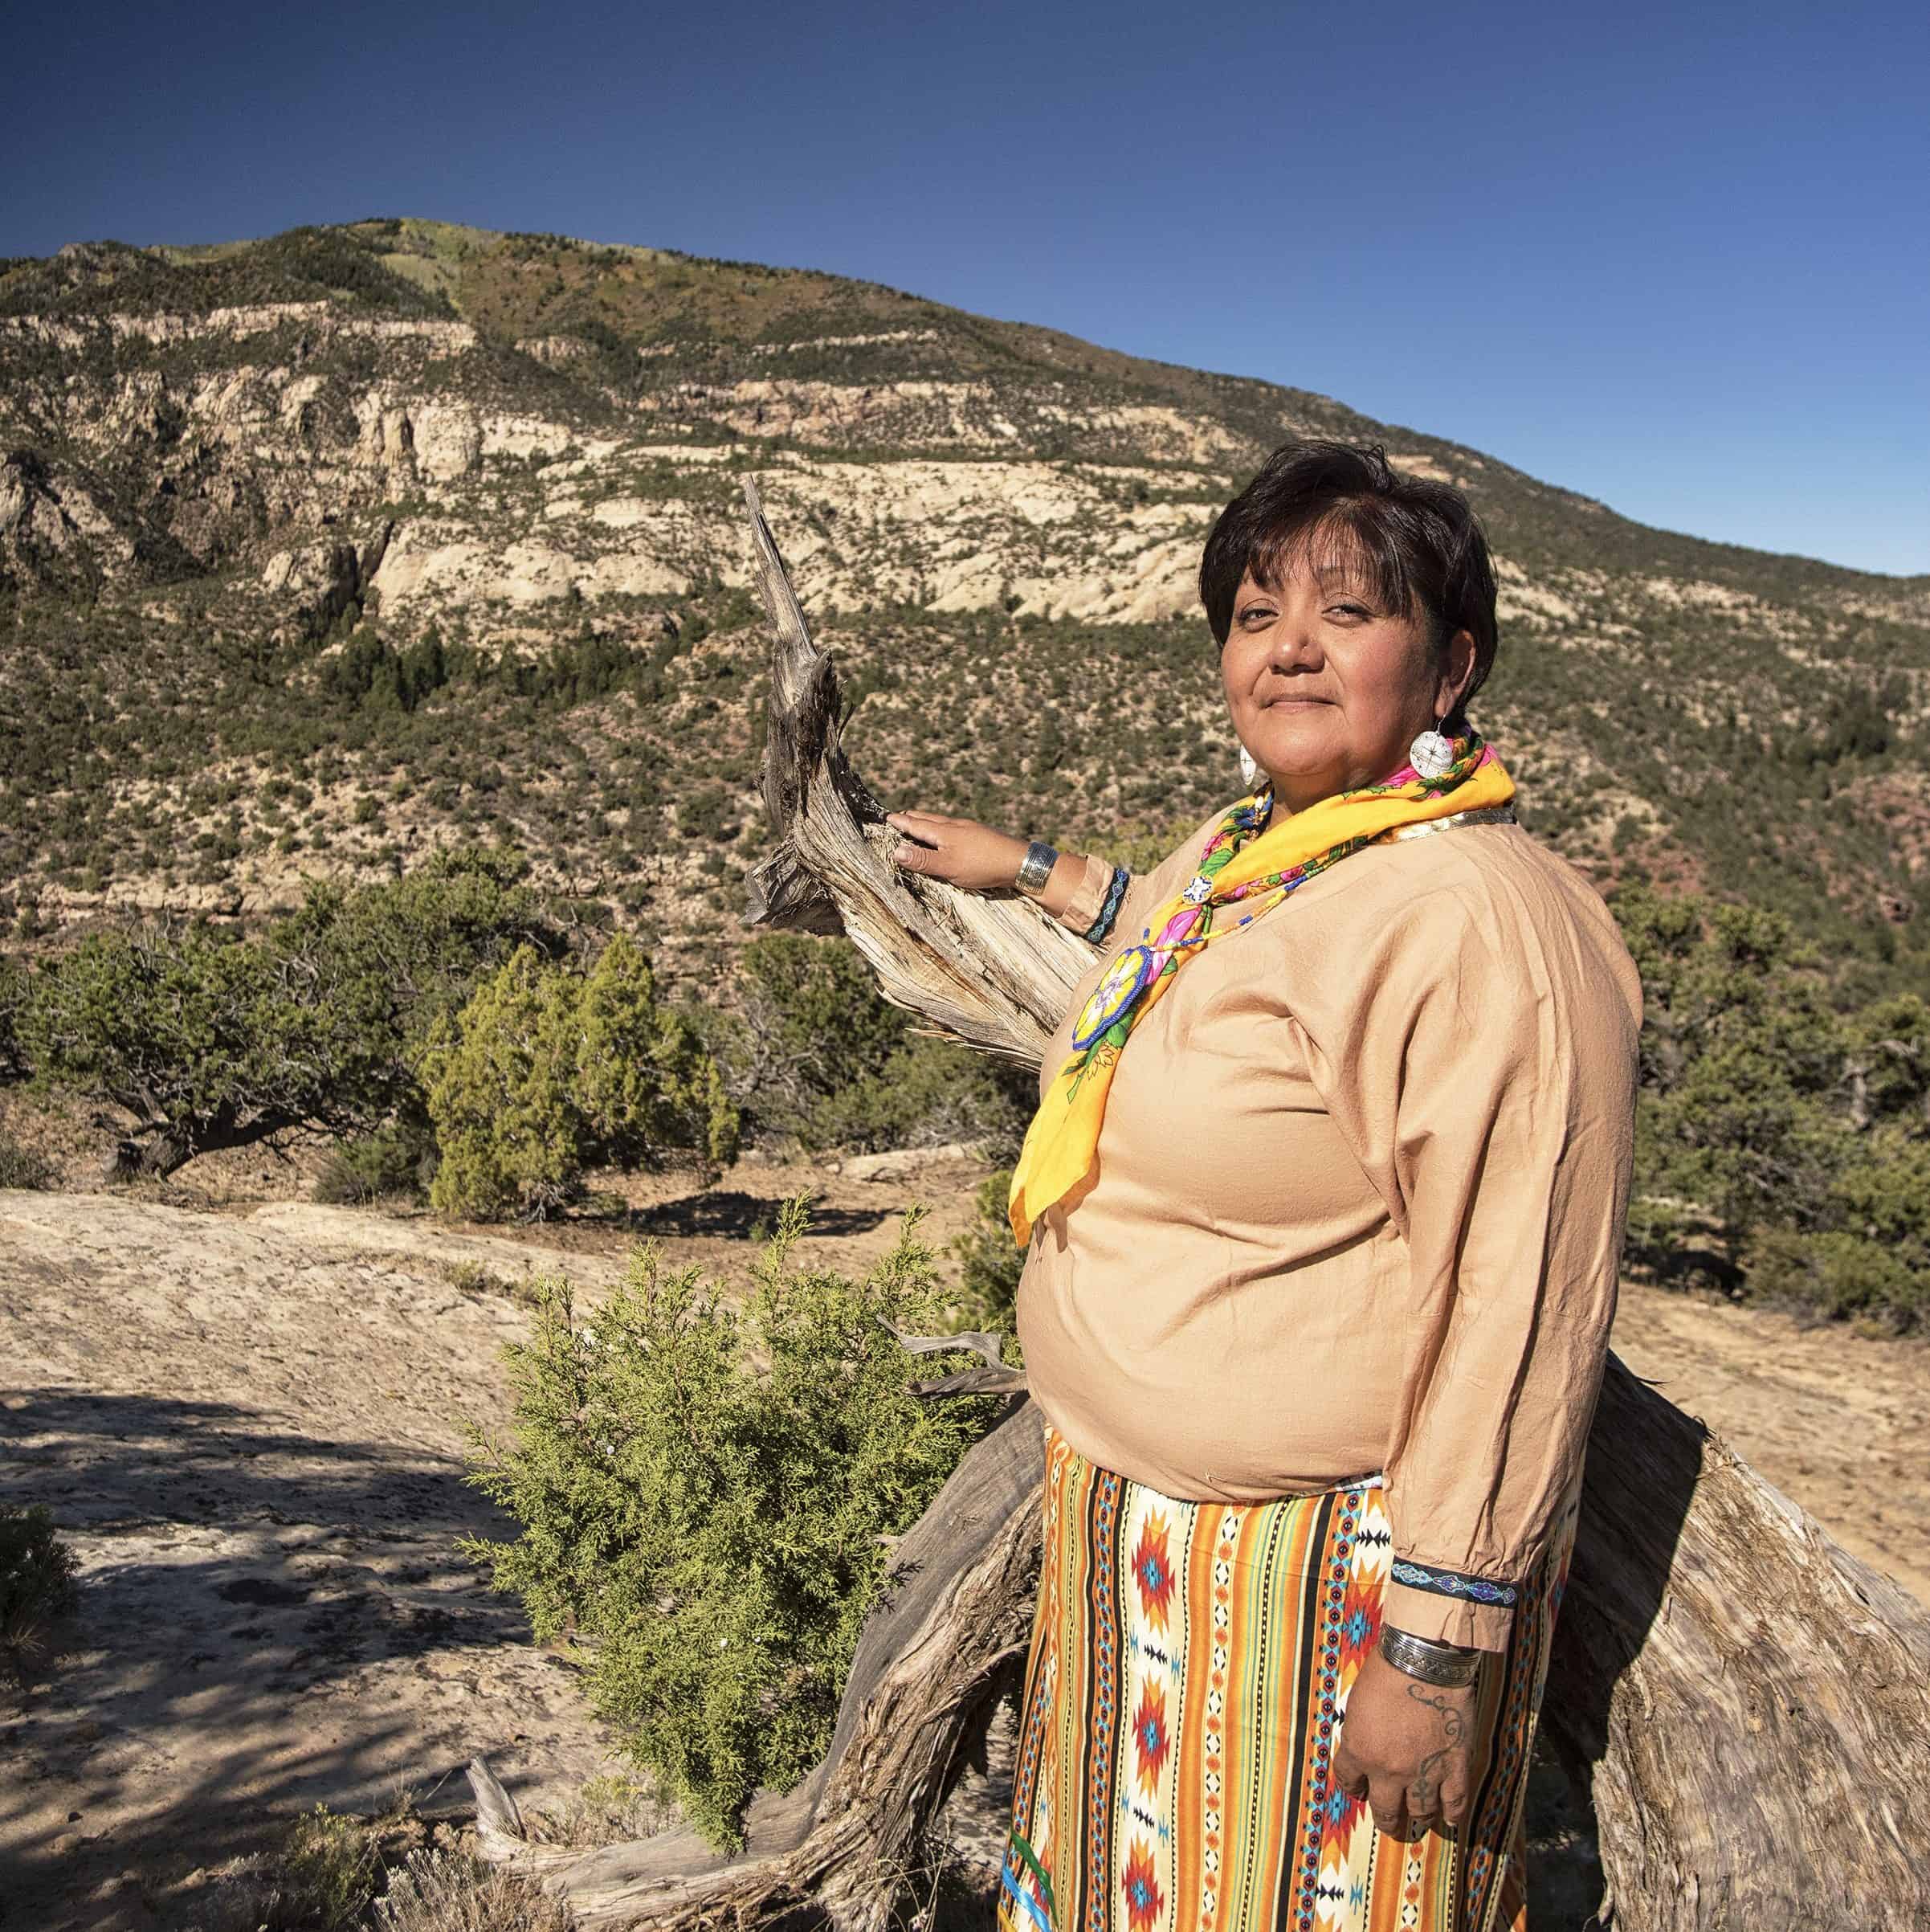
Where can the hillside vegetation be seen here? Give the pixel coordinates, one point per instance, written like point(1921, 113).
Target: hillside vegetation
point(320, 552)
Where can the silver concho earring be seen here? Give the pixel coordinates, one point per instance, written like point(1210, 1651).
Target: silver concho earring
point(1250, 772)
point(1431, 753)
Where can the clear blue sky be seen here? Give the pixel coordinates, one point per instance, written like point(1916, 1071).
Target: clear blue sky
point(1676, 257)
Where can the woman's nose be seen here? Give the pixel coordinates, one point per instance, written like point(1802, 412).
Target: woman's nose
point(1294, 647)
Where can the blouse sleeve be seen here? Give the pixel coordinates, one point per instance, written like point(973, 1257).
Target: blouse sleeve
point(1488, 1076)
point(1089, 897)
point(1143, 890)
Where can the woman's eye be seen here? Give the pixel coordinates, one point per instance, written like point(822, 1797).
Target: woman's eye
point(1351, 610)
point(1256, 614)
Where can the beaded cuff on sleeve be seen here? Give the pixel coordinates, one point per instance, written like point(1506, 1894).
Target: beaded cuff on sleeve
point(1108, 911)
point(1453, 1582)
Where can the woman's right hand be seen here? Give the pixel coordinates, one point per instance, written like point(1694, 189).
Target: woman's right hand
point(976, 857)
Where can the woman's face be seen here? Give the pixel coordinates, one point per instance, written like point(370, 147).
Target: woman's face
point(1328, 689)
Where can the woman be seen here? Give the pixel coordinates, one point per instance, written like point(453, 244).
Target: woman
point(1323, 1204)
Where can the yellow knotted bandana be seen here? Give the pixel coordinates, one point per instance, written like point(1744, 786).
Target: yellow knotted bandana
point(1255, 872)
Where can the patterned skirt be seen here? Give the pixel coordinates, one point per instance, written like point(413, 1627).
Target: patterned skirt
point(1189, 1668)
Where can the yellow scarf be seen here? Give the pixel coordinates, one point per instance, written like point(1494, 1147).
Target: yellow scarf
point(1237, 867)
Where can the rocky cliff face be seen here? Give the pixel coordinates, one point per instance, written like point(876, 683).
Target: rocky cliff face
point(217, 464)
point(249, 432)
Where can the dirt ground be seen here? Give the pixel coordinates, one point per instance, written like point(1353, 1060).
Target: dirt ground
point(249, 1416)
point(249, 1419)
point(1838, 1421)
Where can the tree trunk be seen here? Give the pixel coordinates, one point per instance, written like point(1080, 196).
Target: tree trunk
point(1748, 1704)
point(158, 1149)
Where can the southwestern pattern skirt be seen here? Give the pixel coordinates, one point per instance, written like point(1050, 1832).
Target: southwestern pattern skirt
point(1189, 1671)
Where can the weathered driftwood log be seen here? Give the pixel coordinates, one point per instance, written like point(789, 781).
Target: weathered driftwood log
point(1747, 1704)
point(991, 969)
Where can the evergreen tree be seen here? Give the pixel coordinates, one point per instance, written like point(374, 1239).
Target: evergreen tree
point(546, 1073)
point(207, 1041)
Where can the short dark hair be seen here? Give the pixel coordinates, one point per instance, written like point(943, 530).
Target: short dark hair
point(1417, 542)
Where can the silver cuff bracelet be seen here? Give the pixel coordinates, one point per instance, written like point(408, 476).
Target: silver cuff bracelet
point(1446, 1665)
point(1040, 858)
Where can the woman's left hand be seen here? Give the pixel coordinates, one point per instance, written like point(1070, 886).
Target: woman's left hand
point(969, 855)
point(1408, 1749)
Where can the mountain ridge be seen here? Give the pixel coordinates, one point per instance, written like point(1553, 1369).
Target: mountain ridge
point(321, 452)
point(189, 255)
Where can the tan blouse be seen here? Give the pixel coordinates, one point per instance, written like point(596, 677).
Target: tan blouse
point(1359, 1208)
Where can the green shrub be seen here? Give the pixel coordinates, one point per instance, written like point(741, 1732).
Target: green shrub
point(208, 1041)
point(821, 1055)
point(706, 816)
point(703, 1492)
point(819, 1023)
point(1781, 1145)
point(36, 1579)
point(21, 1167)
point(927, 1093)
point(1835, 1272)
point(1873, 1261)
point(547, 1072)
point(993, 1260)
point(1657, 1227)
point(14, 987)
point(386, 1164)
point(1740, 1061)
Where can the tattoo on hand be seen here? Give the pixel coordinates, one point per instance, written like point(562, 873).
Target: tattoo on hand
point(1426, 1784)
